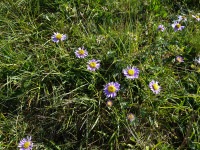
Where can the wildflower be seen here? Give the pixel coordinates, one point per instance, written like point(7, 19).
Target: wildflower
point(130, 34)
point(93, 65)
point(154, 87)
point(25, 144)
point(81, 53)
point(98, 40)
point(82, 14)
point(131, 117)
point(192, 66)
point(101, 38)
point(111, 89)
point(180, 59)
point(109, 103)
point(161, 28)
point(104, 8)
point(182, 18)
point(198, 60)
point(177, 26)
point(131, 73)
point(58, 37)
point(196, 17)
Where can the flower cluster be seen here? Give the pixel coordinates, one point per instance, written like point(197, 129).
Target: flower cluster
point(176, 25)
point(131, 72)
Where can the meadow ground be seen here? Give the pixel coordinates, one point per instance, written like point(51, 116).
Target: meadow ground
point(99, 74)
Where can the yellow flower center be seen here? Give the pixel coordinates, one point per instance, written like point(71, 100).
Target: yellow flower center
point(178, 25)
point(111, 89)
point(160, 28)
point(58, 36)
point(178, 59)
point(130, 116)
point(93, 64)
point(81, 52)
point(155, 86)
point(131, 72)
point(197, 16)
point(26, 145)
point(109, 103)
